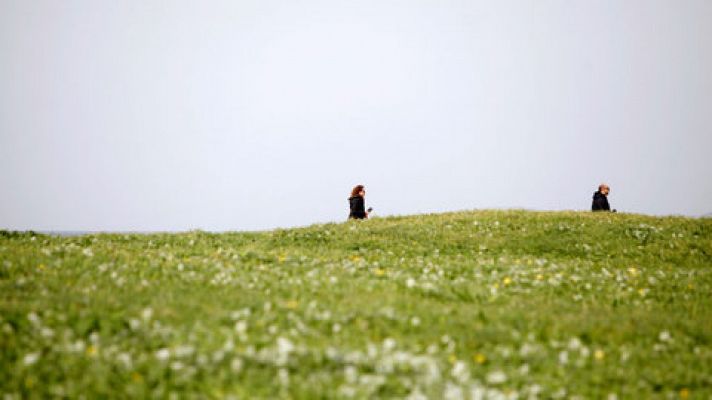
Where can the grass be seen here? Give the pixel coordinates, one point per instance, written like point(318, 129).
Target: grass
point(498, 304)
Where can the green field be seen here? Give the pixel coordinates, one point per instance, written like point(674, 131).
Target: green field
point(486, 304)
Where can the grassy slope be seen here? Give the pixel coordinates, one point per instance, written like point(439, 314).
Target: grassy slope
point(491, 302)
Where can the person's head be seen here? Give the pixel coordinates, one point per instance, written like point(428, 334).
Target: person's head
point(604, 189)
point(358, 190)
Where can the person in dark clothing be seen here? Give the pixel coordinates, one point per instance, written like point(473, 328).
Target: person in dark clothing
point(357, 203)
point(600, 199)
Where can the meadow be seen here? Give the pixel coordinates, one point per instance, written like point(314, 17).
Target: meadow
point(465, 305)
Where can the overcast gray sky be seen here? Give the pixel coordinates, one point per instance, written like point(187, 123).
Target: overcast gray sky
point(241, 115)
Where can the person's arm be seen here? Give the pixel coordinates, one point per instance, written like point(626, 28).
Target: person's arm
point(600, 203)
point(606, 206)
point(596, 206)
point(359, 208)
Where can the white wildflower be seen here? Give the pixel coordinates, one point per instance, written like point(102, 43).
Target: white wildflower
point(218, 356)
point(236, 365)
point(664, 336)
point(283, 375)
point(350, 374)
point(453, 392)
point(564, 357)
point(163, 354)
point(524, 369)
point(239, 314)
point(146, 313)
point(34, 319)
point(574, 343)
point(460, 372)
point(625, 355)
point(477, 392)
point(134, 324)
point(241, 327)
point(372, 381)
point(30, 358)
point(346, 390)
point(527, 349)
point(284, 345)
point(77, 347)
point(125, 359)
point(496, 377)
point(534, 390)
point(432, 371)
point(416, 395)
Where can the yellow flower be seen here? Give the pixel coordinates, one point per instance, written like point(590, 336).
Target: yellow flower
point(633, 271)
point(379, 272)
point(539, 277)
point(281, 258)
point(507, 281)
point(91, 350)
point(599, 354)
point(480, 358)
point(355, 258)
point(452, 359)
point(684, 393)
point(291, 304)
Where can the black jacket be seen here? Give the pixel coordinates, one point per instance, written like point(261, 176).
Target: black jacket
point(600, 202)
point(358, 208)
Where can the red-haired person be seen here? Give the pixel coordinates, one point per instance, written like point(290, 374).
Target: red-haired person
point(600, 199)
point(357, 203)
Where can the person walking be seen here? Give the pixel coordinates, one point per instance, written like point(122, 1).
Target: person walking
point(600, 199)
point(357, 203)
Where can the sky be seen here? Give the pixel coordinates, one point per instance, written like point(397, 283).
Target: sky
point(145, 115)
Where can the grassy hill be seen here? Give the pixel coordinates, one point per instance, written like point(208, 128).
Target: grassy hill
point(499, 304)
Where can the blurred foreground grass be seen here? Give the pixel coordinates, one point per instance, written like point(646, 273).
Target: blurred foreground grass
point(487, 304)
